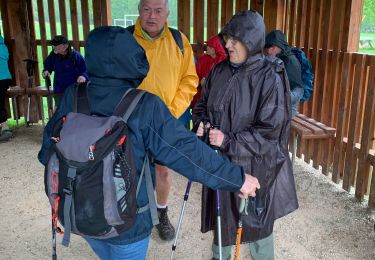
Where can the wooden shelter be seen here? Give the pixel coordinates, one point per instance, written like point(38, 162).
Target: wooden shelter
point(327, 30)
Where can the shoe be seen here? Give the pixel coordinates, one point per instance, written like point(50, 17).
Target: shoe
point(165, 228)
point(5, 135)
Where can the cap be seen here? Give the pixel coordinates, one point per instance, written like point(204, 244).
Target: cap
point(58, 39)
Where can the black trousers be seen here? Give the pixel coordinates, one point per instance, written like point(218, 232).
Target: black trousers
point(4, 85)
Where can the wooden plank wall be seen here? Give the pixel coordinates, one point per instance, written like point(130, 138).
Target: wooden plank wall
point(101, 15)
point(216, 17)
point(344, 90)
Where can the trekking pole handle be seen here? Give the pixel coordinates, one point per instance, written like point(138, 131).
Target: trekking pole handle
point(243, 207)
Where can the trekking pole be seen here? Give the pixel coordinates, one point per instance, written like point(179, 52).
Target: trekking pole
point(218, 214)
point(257, 205)
point(54, 255)
point(243, 211)
point(49, 97)
point(219, 224)
point(186, 196)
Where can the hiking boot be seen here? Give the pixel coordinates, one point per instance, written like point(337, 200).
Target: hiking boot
point(165, 228)
point(5, 135)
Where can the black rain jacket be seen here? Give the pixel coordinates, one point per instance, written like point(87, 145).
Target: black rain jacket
point(251, 106)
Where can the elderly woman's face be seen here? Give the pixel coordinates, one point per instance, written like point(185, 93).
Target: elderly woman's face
point(236, 49)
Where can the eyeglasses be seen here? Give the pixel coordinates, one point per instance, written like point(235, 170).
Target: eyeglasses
point(227, 38)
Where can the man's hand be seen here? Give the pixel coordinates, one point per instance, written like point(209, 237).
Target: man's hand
point(46, 74)
point(249, 187)
point(216, 137)
point(81, 79)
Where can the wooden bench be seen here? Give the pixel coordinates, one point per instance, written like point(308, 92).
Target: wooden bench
point(15, 92)
point(305, 128)
point(40, 92)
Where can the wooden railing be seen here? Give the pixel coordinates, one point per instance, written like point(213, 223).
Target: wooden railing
point(344, 99)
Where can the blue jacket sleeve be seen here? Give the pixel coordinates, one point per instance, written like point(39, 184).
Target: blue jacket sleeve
point(81, 65)
point(179, 149)
point(64, 108)
point(48, 63)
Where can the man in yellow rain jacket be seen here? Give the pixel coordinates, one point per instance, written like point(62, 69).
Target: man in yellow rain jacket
point(172, 77)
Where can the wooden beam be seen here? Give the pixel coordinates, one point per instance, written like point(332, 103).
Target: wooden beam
point(226, 11)
point(74, 22)
point(257, 5)
point(242, 5)
point(102, 12)
point(274, 14)
point(354, 25)
point(52, 19)
point(42, 28)
point(199, 25)
point(212, 17)
point(184, 17)
point(85, 17)
point(63, 20)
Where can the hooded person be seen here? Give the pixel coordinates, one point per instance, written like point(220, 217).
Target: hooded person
point(246, 100)
point(277, 46)
point(215, 53)
point(113, 70)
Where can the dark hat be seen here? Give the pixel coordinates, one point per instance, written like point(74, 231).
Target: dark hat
point(58, 39)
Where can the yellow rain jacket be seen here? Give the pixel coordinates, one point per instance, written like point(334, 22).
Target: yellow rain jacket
point(172, 75)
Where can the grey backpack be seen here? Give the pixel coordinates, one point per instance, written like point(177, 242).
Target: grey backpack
point(91, 178)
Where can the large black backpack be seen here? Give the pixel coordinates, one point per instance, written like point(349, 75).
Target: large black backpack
point(91, 178)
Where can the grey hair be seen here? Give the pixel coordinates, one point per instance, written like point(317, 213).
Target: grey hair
point(141, 2)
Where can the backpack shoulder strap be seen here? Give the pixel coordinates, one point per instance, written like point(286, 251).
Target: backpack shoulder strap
point(178, 39)
point(175, 33)
point(130, 28)
point(128, 103)
point(80, 101)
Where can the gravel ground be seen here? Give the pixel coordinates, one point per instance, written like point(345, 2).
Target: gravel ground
point(329, 224)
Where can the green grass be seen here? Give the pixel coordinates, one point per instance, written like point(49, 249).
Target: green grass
point(368, 50)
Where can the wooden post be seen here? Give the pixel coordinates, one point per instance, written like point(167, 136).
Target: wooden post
point(102, 12)
point(257, 5)
point(21, 25)
point(274, 14)
point(354, 25)
point(213, 17)
point(184, 17)
point(199, 26)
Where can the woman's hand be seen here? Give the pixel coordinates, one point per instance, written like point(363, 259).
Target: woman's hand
point(201, 127)
point(216, 137)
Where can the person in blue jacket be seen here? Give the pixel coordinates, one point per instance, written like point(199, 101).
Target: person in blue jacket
point(68, 64)
point(5, 81)
point(113, 69)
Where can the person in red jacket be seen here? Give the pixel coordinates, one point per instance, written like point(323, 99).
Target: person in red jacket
point(215, 53)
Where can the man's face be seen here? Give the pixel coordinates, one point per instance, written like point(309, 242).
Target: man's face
point(153, 15)
point(60, 49)
point(273, 51)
